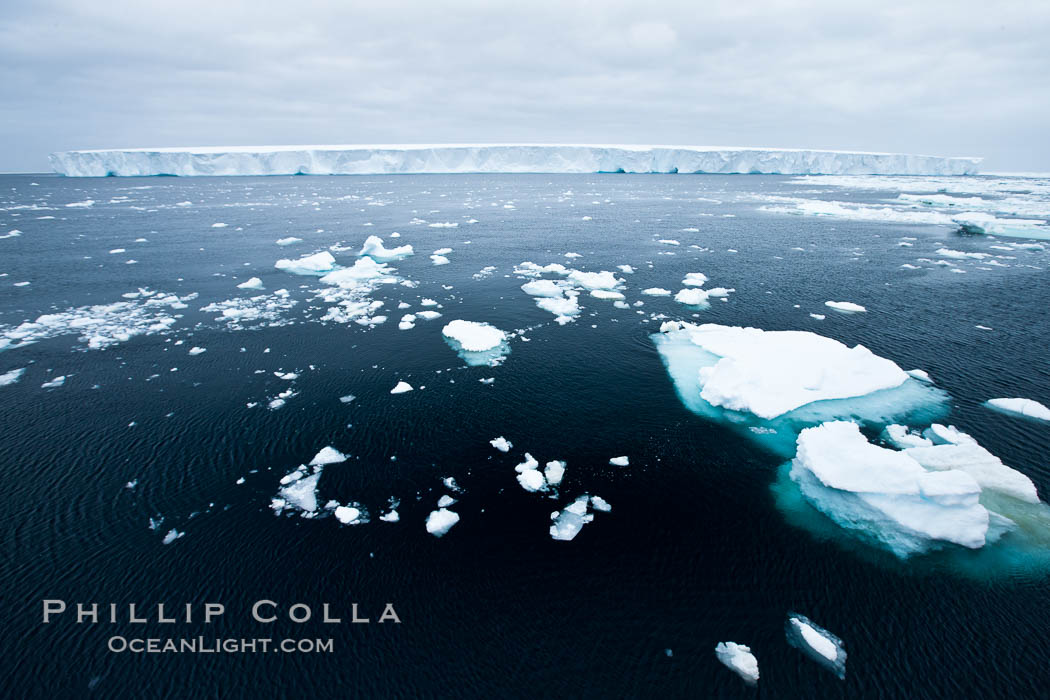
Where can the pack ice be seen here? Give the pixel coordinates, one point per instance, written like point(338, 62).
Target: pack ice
point(493, 158)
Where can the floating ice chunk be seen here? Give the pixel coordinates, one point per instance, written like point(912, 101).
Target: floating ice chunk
point(960, 255)
point(445, 501)
point(568, 522)
point(739, 659)
point(391, 516)
point(196, 350)
point(554, 471)
point(692, 296)
point(886, 496)
point(9, 378)
point(328, 455)
point(81, 205)
point(374, 249)
point(442, 251)
point(845, 306)
point(982, 223)
point(657, 292)
point(542, 288)
point(626, 269)
point(347, 514)
point(288, 241)
point(56, 382)
point(595, 280)
point(669, 241)
point(173, 534)
point(428, 315)
point(768, 373)
point(253, 283)
point(562, 308)
point(529, 463)
point(476, 343)
point(817, 643)
point(301, 492)
point(363, 270)
point(316, 264)
point(694, 279)
point(599, 503)
point(347, 399)
point(502, 444)
point(439, 260)
point(620, 461)
point(606, 294)
point(1022, 407)
point(401, 388)
point(900, 437)
point(441, 521)
point(921, 375)
point(407, 322)
point(219, 224)
point(819, 317)
point(532, 480)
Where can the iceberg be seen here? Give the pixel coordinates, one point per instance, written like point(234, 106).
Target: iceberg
point(739, 659)
point(817, 643)
point(494, 158)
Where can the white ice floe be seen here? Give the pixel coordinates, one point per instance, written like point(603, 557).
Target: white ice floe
point(739, 659)
point(691, 296)
point(374, 249)
point(439, 260)
point(196, 350)
point(11, 377)
point(347, 515)
point(554, 472)
point(441, 521)
point(886, 496)
point(543, 288)
point(54, 383)
point(694, 279)
point(316, 264)
point(288, 241)
point(769, 373)
point(656, 292)
point(328, 455)
point(172, 535)
point(620, 461)
point(817, 643)
point(1022, 407)
point(845, 306)
point(501, 443)
point(900, 437)
point(568, 522)
point(595, 280)
point(476, 343)
point(253, 283)
point(401, 388)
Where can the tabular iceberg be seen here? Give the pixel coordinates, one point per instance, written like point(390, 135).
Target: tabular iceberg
point(495, 158)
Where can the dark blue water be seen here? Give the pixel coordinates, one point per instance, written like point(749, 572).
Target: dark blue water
point(694, 551)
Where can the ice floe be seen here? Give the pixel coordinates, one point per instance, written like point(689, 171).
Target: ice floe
point(401, 388)
point(12, 376)
point(1022, 407)
point(252, 283)
point(817, 643)
point(373, 248)
point(440, 521)
point(476, 343)
point(501, 443)
point(739, 659)
point(316, 264)
point(845, 307)
point(568, 522)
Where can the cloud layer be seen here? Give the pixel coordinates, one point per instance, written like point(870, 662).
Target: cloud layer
point(947, 78)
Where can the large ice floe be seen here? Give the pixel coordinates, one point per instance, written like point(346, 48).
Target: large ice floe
point(739, 659)
point(773, 383)
point(941, 491)
point(816, 643)
point(492, 158)
point(476, 343)
point(1028, 408)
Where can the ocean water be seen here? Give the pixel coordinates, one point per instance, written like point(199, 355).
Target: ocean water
point(702, 544)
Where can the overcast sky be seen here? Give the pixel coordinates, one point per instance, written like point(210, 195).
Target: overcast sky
point(943, 78)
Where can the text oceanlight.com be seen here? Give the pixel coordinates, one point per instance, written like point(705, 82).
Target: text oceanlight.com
point(202, 645)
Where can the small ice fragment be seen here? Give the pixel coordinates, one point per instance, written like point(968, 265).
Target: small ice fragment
point(56, 382)
point(501, 443)
point(845, 306)
point(253, 283)
point(347, 514)
point(620, 461)
point(172, 535)
point(328, 455)
point(196, 350)
point(1028, 408)
point(817, 643)
point(401, 388)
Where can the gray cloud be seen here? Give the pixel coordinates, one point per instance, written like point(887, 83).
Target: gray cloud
point(950, 78)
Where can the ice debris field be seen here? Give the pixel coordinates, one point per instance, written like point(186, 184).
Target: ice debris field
point(381, 346)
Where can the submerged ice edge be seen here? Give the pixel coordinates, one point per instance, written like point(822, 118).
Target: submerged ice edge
point(496, 158)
